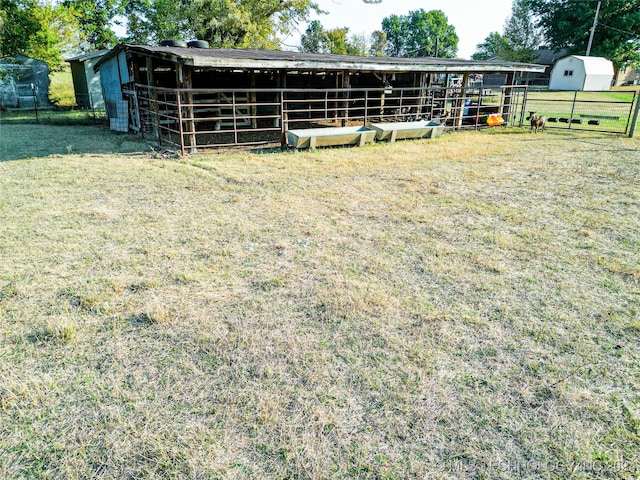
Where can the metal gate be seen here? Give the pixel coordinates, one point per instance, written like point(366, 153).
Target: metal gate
point(609, 111)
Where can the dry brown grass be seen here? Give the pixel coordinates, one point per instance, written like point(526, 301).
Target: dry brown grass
point(460, 307)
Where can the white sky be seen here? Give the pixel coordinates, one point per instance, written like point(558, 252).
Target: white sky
point(473, 20)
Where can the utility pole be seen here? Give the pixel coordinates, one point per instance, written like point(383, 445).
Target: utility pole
point(593, 29)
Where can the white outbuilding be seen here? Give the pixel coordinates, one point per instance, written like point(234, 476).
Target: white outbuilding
point(580, 73)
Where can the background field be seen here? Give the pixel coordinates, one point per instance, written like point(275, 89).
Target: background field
point(466, 307)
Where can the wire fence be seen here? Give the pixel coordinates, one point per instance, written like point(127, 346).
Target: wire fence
point(610, 111)
point(202, 118)
point(88, 110)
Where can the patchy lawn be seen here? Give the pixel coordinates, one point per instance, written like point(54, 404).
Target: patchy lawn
point(466, 307)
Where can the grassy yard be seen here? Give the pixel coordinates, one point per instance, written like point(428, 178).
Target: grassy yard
point(612, 110)
point(466, 307)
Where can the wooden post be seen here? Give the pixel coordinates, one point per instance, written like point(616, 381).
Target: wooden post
point(190, 124)
point(277, 122)
point(345, 96)
point(422, 94)
point(384, 82)
point(284, 115)
point(366, 106)
point(335, 96)
point(153, 99)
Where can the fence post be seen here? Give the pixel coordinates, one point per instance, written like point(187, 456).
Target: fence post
point(636, 114)
point(93, 110)
point(573, 108)
point(34, 91)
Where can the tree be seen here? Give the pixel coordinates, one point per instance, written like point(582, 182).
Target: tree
point(337, 41)
point(567, 24)
point(522, 36)
point(58, 34)
point(357, 45)
point(420, 34)
point(41, 31)
point(313, 40)
point(18, 25)
point(96, 18)
point(495, 45)
point(394, 28)
point(378, 44)
point(519, 42)
point(151, 21)
point(223, 23)
point(316, 39)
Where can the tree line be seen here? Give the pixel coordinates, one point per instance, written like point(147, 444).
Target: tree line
point(49, 30)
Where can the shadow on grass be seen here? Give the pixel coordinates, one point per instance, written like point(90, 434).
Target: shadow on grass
point(20, 141)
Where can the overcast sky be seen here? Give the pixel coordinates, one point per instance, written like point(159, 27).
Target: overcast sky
point(472, 19)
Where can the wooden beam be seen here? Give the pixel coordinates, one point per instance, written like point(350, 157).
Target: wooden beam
point(345, 104)
point(154, 99)
point(190, 140)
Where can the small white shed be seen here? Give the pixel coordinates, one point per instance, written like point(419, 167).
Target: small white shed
point(580, 73)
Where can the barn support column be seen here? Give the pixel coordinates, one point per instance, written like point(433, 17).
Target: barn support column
point(185, 81)
point(153, 99)
point(426, 97)
point(382, 95)
point(282, 80)
point(277, 122)
point(336, 95)
point(346, 84)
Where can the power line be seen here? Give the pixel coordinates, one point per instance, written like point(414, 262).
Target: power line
point(636, 34)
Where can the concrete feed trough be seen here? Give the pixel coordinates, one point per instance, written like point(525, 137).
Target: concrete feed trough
point(402, 130)
point(331, 136)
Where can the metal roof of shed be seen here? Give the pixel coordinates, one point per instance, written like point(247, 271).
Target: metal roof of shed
point(592, 65)
point(288, 60)
point(88, 56)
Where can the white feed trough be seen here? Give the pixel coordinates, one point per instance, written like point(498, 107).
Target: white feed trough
point(402, 130)
point(331, 136)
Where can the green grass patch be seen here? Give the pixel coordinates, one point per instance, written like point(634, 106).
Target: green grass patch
point(611, 110)
point(61, 90)
point(53, 117)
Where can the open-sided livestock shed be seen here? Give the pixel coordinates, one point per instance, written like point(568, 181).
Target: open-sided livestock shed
point(223, 96)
